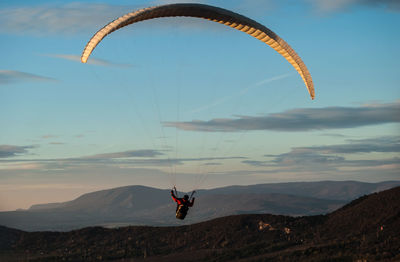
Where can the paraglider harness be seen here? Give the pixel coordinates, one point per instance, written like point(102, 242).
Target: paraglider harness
point(183, 207)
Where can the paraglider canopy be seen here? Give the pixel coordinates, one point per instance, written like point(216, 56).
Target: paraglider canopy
point(214, 14)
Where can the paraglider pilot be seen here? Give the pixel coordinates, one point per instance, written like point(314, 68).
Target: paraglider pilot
point(183, 204)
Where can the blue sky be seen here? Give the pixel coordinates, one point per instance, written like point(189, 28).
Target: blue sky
point(194, 103)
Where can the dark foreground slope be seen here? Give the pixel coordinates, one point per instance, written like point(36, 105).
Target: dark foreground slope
point(368, 228)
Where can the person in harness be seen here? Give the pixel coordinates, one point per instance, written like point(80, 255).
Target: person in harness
point(183, 204)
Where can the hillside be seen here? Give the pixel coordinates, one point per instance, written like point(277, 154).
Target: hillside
point(335, 190)
point(367, 229)
point(140, 205)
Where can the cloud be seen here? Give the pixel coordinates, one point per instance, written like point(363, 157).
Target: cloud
point(19, 165)
point(302, 119)
point(327, 6)
point(332, 135)
point(11, 151)
point(12, 76)
point(255, 163)
point(315, 162)
point(377, 170)
point(126, 154)
point(92, 61)
point(329, 153)
point(125, 159)
point(132, 158)
point(73, 18)
point(387, 144)
point(67, 19)
point(49, 136)
point(42, 186)
point(334, 158)
point(311, 160)
point(299, 156)
point(212, 164)
point(305, 163)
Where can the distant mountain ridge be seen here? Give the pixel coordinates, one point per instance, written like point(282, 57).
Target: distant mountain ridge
point(109, 199)
point(141, 205)
point(367, 229)
point(335, 190)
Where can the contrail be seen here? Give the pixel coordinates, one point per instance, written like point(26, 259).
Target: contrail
point(241, 92)
point(95, 61)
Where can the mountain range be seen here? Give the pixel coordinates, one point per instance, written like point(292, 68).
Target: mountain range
point(366, 229)
point(140, 205)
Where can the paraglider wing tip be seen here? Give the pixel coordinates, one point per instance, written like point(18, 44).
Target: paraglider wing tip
point(312, 93)
point(83, 60)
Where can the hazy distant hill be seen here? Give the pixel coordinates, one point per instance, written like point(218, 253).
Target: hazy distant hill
point(140, 205)
point(367, 229)
point(335, 190)
point(121, 200)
